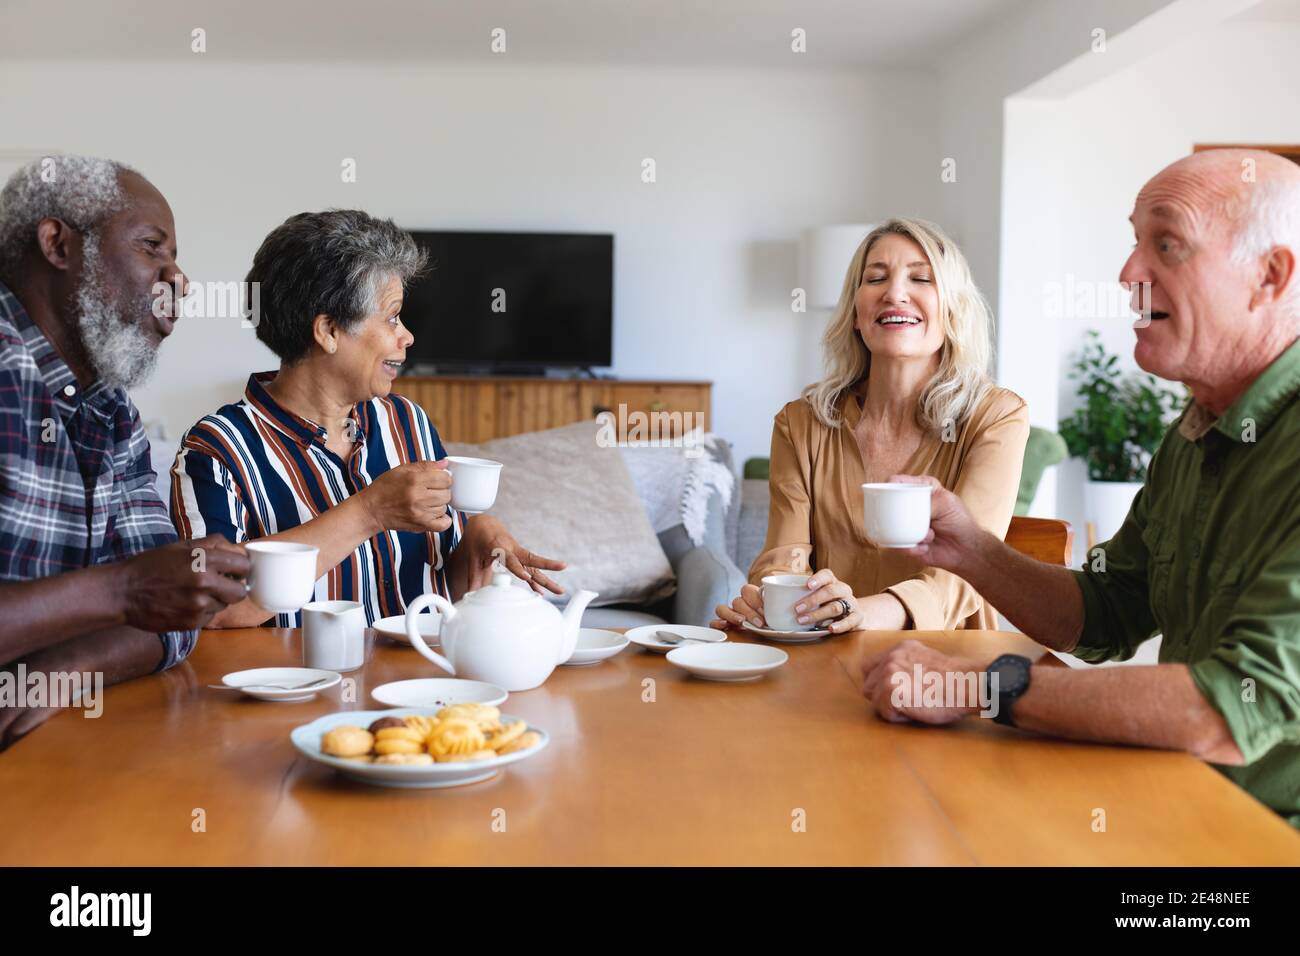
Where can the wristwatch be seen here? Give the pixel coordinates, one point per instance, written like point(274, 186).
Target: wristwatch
point(1012, 673)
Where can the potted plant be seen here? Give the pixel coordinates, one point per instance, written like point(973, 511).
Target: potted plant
point(1115, 430)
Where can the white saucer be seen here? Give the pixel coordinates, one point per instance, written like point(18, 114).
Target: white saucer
point(427, 776)
point(282, 675)
point(596, 645)
point(645, 636)
point(435, 693)
point(728, 662)
point(788, 637)
point(395, 627)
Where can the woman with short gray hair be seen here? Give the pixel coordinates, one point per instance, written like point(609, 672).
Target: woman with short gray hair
point(320, 452)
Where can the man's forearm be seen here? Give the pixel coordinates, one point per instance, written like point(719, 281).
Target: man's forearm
point(1042, 600)
point(48, 611)
point(120, 653)
point(1146, 706)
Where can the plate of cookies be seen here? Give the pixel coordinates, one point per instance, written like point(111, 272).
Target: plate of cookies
point(460, 744)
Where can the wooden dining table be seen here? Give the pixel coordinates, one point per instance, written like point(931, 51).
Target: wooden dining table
point(645, 765)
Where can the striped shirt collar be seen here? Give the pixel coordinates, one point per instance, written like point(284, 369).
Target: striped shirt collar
point(302, 430)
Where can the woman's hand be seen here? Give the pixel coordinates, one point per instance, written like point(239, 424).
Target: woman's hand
point(822, 606)
point(876, 612)
point(410, 497)
point(747, 607)
point(487, 541)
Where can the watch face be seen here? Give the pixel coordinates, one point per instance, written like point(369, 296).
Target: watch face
point(1013, 676)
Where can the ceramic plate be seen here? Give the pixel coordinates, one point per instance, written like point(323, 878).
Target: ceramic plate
point(307, 739)
point(645, 635)
point(595, 645)
point(788, 637)
point(435, 693)
point(395, 627)
point(282, 675)
point(728, 662)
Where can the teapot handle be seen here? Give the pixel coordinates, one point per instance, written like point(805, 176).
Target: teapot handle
point(413, 630)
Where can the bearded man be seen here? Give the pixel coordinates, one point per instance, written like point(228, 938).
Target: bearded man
point(92, 578)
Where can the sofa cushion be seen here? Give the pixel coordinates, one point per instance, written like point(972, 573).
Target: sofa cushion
point(688, 492)
point(621, 616)
point(752, 533)
point(705, 578)
point(565, 496)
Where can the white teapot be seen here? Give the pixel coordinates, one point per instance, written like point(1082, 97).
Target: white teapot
point(501, 634)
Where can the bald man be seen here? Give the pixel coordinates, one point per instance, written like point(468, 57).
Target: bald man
point(1209, 555)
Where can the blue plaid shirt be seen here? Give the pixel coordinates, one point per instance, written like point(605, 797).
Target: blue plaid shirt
point(76, 485)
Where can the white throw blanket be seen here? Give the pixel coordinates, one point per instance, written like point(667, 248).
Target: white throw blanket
point(675, 487)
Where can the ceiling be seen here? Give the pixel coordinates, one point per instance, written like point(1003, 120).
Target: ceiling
point(843, 34)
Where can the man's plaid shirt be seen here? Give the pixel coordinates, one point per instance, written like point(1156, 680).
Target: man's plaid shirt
point(76, 485)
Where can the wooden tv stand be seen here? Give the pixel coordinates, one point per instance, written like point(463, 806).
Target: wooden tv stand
point(480, 408)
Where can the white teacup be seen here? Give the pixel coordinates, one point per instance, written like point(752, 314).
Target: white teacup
point(281, 574)
point(895, 514)
point(473, 483)
point(333, 635)
point(781, 592)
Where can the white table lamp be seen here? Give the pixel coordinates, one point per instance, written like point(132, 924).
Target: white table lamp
point(824, 256)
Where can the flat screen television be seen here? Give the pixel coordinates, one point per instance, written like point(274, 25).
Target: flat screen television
point(512, 301)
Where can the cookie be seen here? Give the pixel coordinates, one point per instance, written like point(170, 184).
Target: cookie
point(346, 741)
point(384, 722)
point(400, 732)
point(404, 759)
point(485, 715)
point(455, 736)
point(506, 734)
point(422, 724)
point(530, 739)
point(398, 745)
point(472, 755)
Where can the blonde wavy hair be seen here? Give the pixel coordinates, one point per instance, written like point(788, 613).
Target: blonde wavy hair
point(962, 380)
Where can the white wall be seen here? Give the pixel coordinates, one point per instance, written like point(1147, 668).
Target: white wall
point(705, 257)
point(1110, 139)
point(1028, 45)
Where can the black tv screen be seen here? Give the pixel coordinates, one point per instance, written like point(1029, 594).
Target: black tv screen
point(502, 300)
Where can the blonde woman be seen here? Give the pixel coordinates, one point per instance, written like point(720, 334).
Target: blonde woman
point(907, 391)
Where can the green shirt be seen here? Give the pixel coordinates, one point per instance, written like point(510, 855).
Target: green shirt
point(1209, 556)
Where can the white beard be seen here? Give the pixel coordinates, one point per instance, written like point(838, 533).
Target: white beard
point(119, 350)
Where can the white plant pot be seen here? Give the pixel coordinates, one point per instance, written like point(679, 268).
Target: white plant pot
point(1107, 504)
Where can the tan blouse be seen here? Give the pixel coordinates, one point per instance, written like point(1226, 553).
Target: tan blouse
point(816, 510)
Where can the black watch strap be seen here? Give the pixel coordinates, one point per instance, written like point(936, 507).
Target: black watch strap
point(1012, 671)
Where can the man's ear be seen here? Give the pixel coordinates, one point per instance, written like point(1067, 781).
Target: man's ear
point(1279, 274)
point(58, 242)
point(326, 333)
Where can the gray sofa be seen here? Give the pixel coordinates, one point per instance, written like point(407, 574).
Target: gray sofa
point(707, 574)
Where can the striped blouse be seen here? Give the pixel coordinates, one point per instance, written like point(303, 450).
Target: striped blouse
point(254, 469)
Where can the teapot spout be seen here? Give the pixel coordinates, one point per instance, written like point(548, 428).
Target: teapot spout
point(572, 622)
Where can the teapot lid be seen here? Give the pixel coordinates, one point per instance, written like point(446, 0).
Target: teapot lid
point(502, 592)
